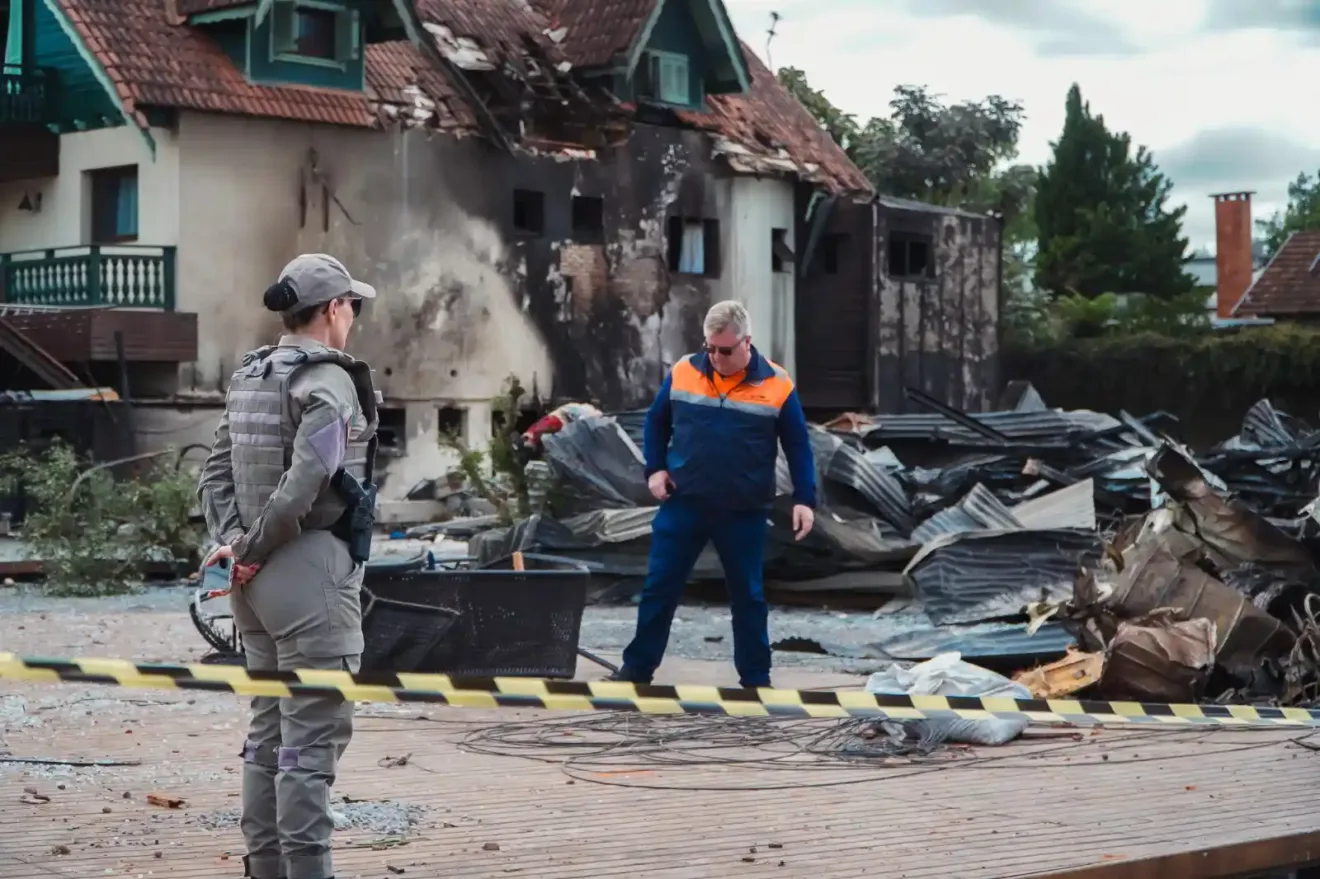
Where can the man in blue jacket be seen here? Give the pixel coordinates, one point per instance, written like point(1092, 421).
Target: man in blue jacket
point(712, 437)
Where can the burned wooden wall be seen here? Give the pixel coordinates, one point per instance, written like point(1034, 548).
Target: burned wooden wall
point(938, 322)
point(835, 303)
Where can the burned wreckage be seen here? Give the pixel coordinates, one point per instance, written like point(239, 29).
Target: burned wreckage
point(1093, 555)
point(1019, 535)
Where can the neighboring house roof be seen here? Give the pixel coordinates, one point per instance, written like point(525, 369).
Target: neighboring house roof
point(1290, 282)
point(151, 61)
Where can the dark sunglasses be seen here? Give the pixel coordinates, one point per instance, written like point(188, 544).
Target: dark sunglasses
point(723, 350)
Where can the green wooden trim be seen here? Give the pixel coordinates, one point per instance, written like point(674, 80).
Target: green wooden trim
point(644, 37)
point(719, 13)
point(658, 98)
point(263, 10)
point(98, 71)
point(233, 14)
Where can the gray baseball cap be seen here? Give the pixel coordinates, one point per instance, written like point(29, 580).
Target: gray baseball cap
point(318, 278)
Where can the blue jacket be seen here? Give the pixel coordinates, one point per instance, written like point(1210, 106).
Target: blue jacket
point(721, 451)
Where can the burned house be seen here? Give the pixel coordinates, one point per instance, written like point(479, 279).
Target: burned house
point(896, 294)
point(555, 191)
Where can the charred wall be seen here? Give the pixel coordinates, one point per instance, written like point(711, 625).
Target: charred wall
point(938, 320)
point(599, 283)
point(566, 283)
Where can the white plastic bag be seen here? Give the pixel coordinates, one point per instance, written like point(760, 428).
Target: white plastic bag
point(948, 675)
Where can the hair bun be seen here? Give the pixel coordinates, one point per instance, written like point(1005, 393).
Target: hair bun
point(280, 296)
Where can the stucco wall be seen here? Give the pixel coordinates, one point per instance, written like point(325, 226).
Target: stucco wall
point(758, 207)
point(65, 220)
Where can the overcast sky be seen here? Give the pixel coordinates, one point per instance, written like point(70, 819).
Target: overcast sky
point(1222, 91)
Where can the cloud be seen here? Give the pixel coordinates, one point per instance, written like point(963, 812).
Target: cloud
point(1061, 28)
point(1301, 18)
point(1236, 158)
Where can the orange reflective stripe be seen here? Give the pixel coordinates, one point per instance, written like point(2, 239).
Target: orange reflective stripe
point(686, 382)
point(689, 384)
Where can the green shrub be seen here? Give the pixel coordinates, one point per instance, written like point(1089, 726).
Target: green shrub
point(95, 533)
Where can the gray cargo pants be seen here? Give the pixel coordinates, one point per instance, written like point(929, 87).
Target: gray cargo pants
point(302, 610)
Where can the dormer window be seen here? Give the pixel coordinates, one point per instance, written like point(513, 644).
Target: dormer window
point(664, 77)
point(315, 32)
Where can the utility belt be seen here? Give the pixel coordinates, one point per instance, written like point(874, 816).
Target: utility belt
point(357, 523)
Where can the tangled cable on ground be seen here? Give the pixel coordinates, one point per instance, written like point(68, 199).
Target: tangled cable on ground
point(666, 751)
point(611, 739)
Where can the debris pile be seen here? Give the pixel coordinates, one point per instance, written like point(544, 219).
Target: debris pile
point(1016, 536)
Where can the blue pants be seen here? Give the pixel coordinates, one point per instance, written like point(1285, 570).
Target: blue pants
point(679, 533)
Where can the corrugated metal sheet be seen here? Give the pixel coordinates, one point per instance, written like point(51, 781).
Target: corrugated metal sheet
point(978, 511)
point(1052, 426)
point(981, 641)
point(994, 575)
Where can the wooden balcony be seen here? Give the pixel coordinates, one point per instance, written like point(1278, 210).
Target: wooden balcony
point(87, 304)
point(27, 96)
point(124, 276)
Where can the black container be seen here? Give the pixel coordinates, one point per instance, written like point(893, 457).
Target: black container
point(490, 621)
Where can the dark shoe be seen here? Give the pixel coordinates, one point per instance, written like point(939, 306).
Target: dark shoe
point(628, 676)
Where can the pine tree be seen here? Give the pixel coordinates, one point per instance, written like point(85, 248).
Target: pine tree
point(1102, 215)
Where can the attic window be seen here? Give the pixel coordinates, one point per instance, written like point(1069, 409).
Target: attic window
point(910, 255)
point(315, 32)
point(664, 77)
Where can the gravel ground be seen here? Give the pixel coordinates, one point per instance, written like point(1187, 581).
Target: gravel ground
point(386, 818)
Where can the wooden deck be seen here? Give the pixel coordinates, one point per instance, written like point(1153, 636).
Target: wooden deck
point(1164, 804)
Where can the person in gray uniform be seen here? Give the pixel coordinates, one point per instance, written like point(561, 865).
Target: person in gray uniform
point(287, 495)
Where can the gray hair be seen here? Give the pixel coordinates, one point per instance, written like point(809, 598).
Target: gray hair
point(728, 315)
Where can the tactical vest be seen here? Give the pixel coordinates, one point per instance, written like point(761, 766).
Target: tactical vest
point(262, 426)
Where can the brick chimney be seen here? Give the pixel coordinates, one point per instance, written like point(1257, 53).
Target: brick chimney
point(1233, 257)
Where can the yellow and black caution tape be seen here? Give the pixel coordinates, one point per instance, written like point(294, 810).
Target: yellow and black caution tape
point(561, 695)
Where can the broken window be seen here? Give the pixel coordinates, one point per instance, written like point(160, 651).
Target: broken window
point(781, 255)
point(315, 30)
point(392, 430)
point(451, 423)
point(910, 255)
point(664, 77)
point(694, 246)
point(114, 204)
point(588, 219)
point(831, 252)
point(528, 211)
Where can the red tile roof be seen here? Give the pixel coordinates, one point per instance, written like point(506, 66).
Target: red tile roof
point(773, 128)
point(1290, 283)
point(154, 62)
point(597, 30)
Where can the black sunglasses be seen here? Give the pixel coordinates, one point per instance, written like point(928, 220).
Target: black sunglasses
point(723, 350)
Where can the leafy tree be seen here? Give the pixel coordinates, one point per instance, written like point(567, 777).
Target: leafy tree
point(1102, 217)
point(1302, 213)
point(953, 155)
